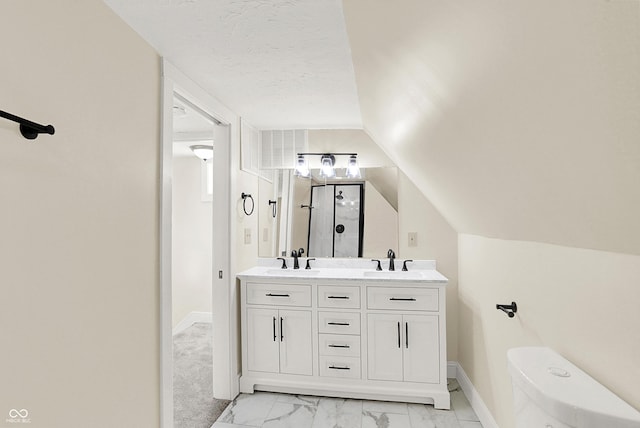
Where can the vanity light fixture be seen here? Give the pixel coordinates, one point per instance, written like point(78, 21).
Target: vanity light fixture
point(327, 169)
point(353, 170)
point(302, 167)
point(327, 165)
point(202, 151)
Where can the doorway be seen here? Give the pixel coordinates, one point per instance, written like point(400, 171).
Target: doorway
point(224, 386)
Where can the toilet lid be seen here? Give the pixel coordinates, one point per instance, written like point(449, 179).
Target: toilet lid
point(566, 392)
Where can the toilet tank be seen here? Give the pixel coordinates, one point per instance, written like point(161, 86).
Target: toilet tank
point(550, 392)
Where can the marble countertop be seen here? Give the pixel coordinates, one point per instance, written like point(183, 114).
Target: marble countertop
point(419, 271)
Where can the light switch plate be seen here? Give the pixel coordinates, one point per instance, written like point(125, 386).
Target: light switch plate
point(247, 236)
point(413, 239)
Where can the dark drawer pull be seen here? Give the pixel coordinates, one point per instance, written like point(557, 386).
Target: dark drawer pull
point(403, 299)
point(339, 346)
point(338, 297)
point(339, 368)
point(338, 323)
point(277, 295)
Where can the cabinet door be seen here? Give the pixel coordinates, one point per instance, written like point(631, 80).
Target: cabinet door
point(384, 347)
point(421, 362)
point(296, 356)
point(262, 340)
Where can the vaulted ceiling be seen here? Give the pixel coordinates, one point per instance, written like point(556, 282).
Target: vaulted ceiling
point(518, 120)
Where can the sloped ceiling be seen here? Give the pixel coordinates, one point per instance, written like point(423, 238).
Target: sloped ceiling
point(280, 64)
point(518, 120)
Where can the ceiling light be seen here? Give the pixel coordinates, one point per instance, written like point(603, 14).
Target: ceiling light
point(203, 152)
point(353, 170)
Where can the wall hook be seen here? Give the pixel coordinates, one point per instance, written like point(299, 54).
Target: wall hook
point(273, 204)
point(510, 310)
point(28, 129)
point(246, 196)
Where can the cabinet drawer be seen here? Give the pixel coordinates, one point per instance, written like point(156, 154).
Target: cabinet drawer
point(339, 345)
point(333, 296)
point(347, 367)
point(403, 298)
point(278, 294)
point(339, 322)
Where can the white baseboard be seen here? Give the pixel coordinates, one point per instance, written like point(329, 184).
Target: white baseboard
point(191, 319)
point(452, 370)
point(483, 413)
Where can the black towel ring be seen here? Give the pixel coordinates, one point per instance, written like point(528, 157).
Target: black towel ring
point(246, 196)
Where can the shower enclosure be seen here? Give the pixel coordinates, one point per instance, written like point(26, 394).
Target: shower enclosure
point(336, 220)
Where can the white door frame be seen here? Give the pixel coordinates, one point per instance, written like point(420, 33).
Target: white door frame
point(225, 369)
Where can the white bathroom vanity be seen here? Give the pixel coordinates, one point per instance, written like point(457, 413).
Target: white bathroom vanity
point(344, 329)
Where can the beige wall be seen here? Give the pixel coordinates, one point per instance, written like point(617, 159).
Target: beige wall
point(267, 226)
point(246, 253)
point(380, 225)
point(192, 246)
point(518, 120)
point(300, 216)
point(581, 303)
point(79, 286)
point(436, 241)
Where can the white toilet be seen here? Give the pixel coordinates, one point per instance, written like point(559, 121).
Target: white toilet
point(550, 392)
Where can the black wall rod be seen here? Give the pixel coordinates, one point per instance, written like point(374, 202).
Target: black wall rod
point(28, 129)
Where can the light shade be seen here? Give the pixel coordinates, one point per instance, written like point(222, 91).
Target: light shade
point(327, 170)
point(203, 152)
point(353, 170)
point(302, 167)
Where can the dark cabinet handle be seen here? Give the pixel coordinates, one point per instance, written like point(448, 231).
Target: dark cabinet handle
point(338, 323)
point(339, 346)
point(274, 329)
point(281, 331)
point(276, 295)
point(399, 346)
point(339, 368)
point(403, 299)
point(337, 297)
point(406, 335)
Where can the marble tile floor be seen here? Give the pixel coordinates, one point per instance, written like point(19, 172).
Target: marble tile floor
point(273, 410)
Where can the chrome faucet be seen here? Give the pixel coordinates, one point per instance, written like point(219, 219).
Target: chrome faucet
point(391, 256)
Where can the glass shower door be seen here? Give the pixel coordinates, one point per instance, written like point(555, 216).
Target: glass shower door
point(336, 221)
point(321, 222)
point(347, 221)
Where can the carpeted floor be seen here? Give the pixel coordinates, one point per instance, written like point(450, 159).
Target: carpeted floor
point(193, 403)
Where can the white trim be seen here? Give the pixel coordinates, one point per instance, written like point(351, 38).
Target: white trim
point(191, 319)
point(166, 174)
point(483, 413)
point(452, 370)
point(225, 382)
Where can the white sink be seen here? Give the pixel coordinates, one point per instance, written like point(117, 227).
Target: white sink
point(393, 274)
point(293, 272)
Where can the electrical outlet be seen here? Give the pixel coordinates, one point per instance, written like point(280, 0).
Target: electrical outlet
point(247, 236)
point(413, 239)
point(265, 234)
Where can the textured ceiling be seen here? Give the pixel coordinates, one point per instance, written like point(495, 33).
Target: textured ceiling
point(277, 63)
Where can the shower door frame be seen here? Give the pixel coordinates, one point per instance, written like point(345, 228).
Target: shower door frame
point(360, 219)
